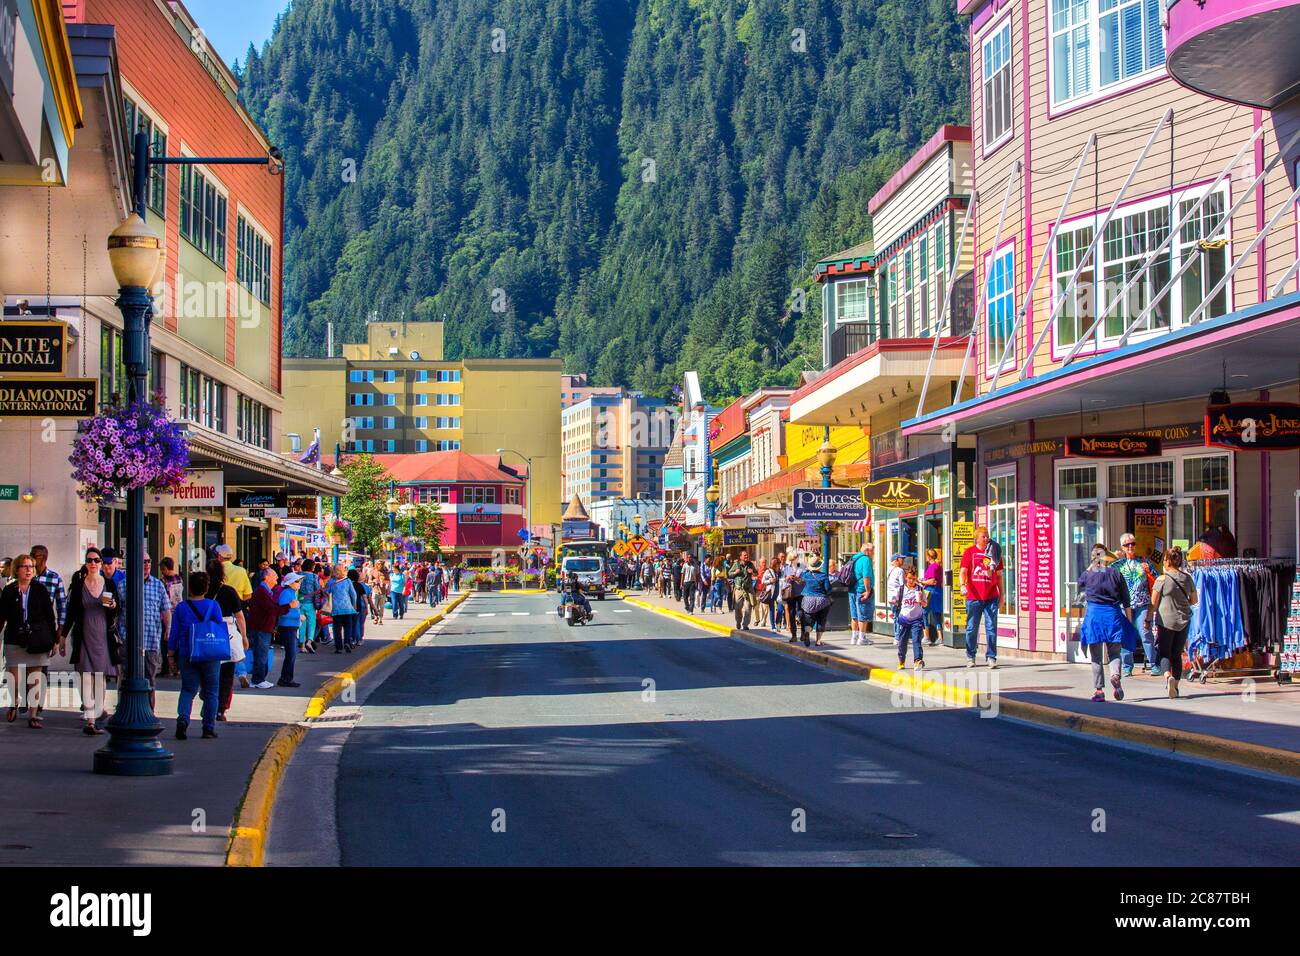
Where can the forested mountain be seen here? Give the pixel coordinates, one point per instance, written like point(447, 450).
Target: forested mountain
point(637, 186)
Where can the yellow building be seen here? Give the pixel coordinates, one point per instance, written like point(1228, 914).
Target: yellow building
point(397, 394)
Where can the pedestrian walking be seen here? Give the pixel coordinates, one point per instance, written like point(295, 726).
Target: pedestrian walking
point(287, 626)
point(769, 595)
point(49, 579)
point(815, 603)
point(308, 592)
point(1140, 578)
point(932, 581)
point(742, 576)
point(263, 611)
point(200, 677)
point(93, 606)
point(1173, 596)
point(862, 594)
point(233, 573)
point(981, 582)
point(397, 582)
point(29, 635)
point(1105, 626)
point(792, 595)
point(690, 576)
point(232, 612)
point(361, 594)
point(341, 605)
point(894, 589)
point(157, 624)
point(911, 619)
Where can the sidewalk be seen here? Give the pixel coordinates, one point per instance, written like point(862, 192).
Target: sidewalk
point(60, 813)
point(1260, 712)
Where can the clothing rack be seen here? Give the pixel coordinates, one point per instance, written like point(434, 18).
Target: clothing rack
point(1269, 645)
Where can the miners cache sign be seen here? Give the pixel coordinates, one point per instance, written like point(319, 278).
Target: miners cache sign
point(1253, 426)
point(33, 348)
point(39, 398)
point(1112, 446)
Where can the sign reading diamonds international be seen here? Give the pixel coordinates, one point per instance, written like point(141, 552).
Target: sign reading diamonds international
point(35, 398)
point(33, 348)
point(1253, 426)
point(828, 504)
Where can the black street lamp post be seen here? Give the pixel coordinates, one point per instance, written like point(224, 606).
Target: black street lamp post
point(133, 749)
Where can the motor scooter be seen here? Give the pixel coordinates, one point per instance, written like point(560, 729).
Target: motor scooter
point(573, 612)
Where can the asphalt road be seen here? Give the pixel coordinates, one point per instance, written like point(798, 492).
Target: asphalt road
point(514, 740)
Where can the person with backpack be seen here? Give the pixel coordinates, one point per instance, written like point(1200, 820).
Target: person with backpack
point(859, 576)
point(307, 592)
point(1173, 596)
point(197, 630)
point(742, 575)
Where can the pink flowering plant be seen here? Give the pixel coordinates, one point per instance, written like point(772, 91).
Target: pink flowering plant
point(128, 446)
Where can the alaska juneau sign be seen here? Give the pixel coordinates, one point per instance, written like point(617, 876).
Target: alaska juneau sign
point(897, 494)
point(1253, 426)
point(828, 504)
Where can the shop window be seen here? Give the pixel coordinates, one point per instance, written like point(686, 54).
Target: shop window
point(1077, 483)
point(1002, 529)
point(1128, 241)
point(999, 298)
point(1205, 474)
point(1076, 314)
point(1211, 263)
point(996, 59)
point(851, 301)
point(1142, 479)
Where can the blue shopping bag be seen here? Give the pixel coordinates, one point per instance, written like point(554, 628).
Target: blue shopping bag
point(209, 639)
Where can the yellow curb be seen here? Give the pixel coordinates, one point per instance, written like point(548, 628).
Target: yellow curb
point(247, 842)
point(1185, 742)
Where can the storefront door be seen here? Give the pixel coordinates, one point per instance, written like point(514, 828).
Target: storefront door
point(1080, 530)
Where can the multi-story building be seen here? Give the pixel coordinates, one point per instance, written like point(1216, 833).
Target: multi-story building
point(109, 68)
point(1136, 261)
point(614, 446)
point(898, 315)
point(395, 393)
point(574, 389)
point(483, 501)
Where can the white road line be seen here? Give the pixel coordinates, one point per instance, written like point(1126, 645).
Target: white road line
point(487, 614)
point(519, 613)
point(622, 612)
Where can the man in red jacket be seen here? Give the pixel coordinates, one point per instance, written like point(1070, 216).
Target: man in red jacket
point(263, 610)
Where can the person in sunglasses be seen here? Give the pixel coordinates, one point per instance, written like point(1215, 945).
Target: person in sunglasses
point(94, 603)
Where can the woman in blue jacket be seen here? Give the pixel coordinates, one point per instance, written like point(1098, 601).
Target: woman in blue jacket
point(1104, 622)
point(343, 608)
point(815, 603)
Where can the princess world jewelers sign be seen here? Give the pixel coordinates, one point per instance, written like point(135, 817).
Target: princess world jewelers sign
point(828, 504)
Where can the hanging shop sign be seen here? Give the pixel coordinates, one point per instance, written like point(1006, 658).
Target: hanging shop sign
point(1253, 426)
point(735, 537)
point(33, 348)
point(204, 488)
point(302, 507)
point(1112, 446)
point(479, 515)
point(828, 504)
point(37, 398)
point(896, 494)
point(257, 504)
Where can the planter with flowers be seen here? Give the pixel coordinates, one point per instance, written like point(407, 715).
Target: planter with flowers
point(128, 446)
point(828, 527)
point(338, 530)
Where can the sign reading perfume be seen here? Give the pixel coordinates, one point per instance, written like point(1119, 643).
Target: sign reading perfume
point(33, 348)
point(1253, 426)
point(828, 504)
point(205, 488)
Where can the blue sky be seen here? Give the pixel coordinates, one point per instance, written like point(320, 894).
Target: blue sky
point(231, 25)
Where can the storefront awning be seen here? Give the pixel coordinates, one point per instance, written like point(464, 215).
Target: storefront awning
point(777, 488)
point(1259, 345)
point(247, 466)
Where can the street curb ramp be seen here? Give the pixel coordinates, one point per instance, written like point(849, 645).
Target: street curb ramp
point(252, 823)
point(1182, 742)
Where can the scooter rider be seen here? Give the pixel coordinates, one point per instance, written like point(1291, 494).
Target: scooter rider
point(576, 595)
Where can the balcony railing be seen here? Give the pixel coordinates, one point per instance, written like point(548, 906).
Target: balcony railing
point(850, 339)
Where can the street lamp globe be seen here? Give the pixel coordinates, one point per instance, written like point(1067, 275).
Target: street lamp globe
point(407, 509)
point(392, 505)
point(826, 454)
point(134, 250)
point(713, 494)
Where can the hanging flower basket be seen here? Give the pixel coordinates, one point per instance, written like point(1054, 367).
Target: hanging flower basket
point(391, 540)
point(713, 539)
point(415, 545)
point(338, 530)
point(127, 447)
point(828, 527)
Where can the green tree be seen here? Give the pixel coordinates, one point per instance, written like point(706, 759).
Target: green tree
point(365, 504)
point(430, 525)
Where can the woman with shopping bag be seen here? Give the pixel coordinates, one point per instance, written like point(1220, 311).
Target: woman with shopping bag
point(232, 612)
